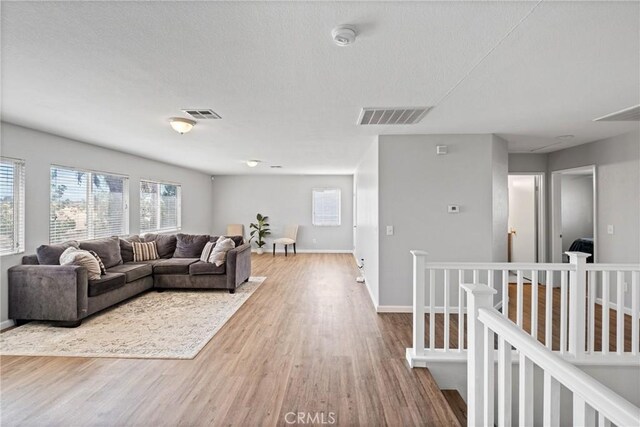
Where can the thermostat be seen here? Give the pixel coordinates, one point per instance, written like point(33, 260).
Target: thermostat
point(453, 209)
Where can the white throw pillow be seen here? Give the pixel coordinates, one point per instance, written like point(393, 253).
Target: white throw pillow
point(75, 256)
point(219, 253)
point(206, 252)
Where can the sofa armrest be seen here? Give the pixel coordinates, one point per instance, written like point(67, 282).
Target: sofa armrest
point(238, 265)
point(48, 292)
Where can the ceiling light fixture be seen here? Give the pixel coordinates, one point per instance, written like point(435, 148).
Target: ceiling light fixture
point(343, 36)
point(565, 136)
point(181, 125)
point(252, 163)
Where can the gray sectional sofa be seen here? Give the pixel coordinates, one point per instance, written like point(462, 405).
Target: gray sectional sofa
point(42, 289)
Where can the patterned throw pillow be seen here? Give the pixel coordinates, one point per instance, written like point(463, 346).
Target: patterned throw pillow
point(219, 253)
point(100, 263)
point(144, 251)
point(206, 252)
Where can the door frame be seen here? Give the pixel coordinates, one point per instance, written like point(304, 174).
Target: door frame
point(556, 213)
point(541, 212)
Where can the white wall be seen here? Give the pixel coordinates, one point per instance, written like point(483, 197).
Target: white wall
point(576, 208)
point(366, 188)
point(40, 150)
point(285, 199)
point(617, 163)
point(416, 185)
point(527, 162)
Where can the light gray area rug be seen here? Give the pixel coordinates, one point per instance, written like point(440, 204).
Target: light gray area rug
point(168, 325)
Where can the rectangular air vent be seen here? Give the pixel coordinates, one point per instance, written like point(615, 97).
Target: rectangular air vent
point(631, 114)
point(392, 116)
point(202, 114)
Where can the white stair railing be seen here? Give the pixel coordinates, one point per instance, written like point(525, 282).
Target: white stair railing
point(581, 293)
point(592, 401)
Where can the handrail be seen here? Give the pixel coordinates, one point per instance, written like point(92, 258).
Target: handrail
point(612, 267)
point(500, 266)
point(614, 407)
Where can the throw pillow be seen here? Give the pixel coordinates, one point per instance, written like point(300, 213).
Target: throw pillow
point(144, 251)
point(108, 248)
point(50, 254)
point(219, 253)
point(190, 245)
point(206, 252)
point(100, 263)
point(82, 258)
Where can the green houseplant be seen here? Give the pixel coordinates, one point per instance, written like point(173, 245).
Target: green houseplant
point(259, 231)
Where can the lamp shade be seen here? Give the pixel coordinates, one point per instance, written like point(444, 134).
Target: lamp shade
point(181, 125)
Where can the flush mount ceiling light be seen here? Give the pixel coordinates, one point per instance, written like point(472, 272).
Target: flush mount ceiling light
point(565, 136)
point(252, 163)
point(181, 125)
point(343, 36)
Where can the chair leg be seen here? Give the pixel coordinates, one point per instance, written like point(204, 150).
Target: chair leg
point(274, 249)
point(294, 249)
point(285, 250)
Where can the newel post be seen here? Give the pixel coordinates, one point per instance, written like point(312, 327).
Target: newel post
point(478, 296)
point(577, 303)
point(419, 285)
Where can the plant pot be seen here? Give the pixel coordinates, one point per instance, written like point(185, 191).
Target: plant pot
point(259, 251)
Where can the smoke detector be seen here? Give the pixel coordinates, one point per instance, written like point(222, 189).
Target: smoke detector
point(343, 36)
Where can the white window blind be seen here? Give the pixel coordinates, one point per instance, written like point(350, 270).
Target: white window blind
point(11, 206)
point(87, 205)
point(160, 206)
point(326, 206)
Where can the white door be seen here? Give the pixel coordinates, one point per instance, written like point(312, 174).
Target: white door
point(523, 218)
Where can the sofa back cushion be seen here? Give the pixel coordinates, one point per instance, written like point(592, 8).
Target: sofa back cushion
point(190, 245)
point(50, 254)
point(108, 249)
point(165, 243)
point(126, 249)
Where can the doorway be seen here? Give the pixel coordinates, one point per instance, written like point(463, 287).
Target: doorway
point(574, 222)
point(526, 232)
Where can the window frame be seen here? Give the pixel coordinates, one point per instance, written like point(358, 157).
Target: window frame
point(90, 226)
point(19, 166)
point(313, 206)
point(159, 229)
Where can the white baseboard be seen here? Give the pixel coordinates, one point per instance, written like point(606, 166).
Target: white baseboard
point(614, 306)
point(308, 251)
point(6, 324)
point(366, 282)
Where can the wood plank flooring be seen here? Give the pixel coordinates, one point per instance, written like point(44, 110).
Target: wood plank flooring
point(307, 341)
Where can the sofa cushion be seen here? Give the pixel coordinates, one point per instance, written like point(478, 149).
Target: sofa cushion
point(50, 254)
point(126, 247)
point(166, 243)
point(132, 271)
point(108, 249)
point(238, 240)
point(202, 267)
point(190, 245)
point(174, 266)
point(106, 283)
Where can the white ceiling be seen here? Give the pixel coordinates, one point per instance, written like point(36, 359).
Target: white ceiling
point(112, 73)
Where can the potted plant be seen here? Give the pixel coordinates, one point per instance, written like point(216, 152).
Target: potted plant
point(259, 231)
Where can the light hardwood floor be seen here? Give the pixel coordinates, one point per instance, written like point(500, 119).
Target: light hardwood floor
point(308, 340)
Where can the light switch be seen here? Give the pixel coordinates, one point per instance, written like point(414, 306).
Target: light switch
point(609, 229)
point(389, 230)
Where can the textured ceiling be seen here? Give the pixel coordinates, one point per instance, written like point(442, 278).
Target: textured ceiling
point(112, 73)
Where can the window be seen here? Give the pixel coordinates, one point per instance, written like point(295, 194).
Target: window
point(160, 208)
point(11, 206)
point(87, 205)
point(326, 206)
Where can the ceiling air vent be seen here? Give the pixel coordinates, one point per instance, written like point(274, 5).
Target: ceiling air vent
point(202, 114)
point(392, 116)
point(631, 114)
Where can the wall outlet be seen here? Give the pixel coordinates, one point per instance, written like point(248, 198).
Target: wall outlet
point(315, 241)
point(453, 209)
point(389, 230)
point(609, 229)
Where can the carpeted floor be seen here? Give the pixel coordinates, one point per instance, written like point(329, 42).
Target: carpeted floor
point(168, 325)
